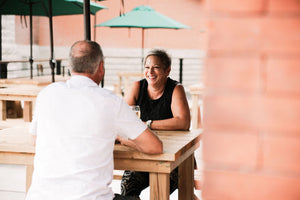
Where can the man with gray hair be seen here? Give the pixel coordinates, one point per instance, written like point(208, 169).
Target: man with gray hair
point(75, 124)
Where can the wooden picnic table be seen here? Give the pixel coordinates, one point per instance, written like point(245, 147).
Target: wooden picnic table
point(35, 81)
point(16, 147)
point(124, 81)
point(17, 92)
point(23, 89)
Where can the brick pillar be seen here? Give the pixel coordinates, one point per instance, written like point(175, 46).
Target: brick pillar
point(251, 143)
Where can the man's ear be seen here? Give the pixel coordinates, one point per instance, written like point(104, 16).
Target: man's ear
point(100, 70)
point(99, 73)
point(101, 67)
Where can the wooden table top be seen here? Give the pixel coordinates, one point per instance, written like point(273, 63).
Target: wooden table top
point(14, 92)
point(17, 139)
point(35, 81)
point(21, 90)
point(175, 143)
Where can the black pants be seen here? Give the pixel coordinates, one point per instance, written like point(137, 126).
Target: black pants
point(134, 182)
point(120, 197)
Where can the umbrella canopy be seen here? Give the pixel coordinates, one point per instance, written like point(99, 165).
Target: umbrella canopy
point(143, 17)
point(41, 7)
point(47, 8)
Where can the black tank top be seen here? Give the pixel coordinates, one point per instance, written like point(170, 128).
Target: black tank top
point(159, 108)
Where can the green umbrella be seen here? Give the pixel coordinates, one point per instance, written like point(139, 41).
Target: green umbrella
point(41, 7)
point(143, 17)
point(47, 8)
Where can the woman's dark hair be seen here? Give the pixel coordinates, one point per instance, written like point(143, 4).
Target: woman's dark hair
point(162, 55)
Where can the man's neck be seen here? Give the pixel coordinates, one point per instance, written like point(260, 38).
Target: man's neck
point(90, 76)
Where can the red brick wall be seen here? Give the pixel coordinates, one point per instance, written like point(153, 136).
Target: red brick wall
point(251, 144)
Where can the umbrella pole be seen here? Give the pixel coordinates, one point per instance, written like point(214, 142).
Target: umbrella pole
point(142, 50)
point(51, 61)
point(31, 42)
point(87, 20)
point(0, 37)
point(2, 66)
point(95, 22)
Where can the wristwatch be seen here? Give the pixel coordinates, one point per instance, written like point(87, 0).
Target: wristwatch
point(148, 123)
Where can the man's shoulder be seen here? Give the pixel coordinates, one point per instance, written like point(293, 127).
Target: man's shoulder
point(108, 94)
point(54, 85)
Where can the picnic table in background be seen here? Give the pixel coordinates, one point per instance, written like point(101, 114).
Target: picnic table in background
point(35, 81)
point(18, 92)
point(125, 80)
point(196, 92)
point(25, 90)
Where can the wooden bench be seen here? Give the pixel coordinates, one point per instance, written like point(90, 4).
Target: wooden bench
point(117, 174)
point(25, 93)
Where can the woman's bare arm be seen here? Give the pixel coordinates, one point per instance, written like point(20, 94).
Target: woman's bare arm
point(181, 113)
point(132, 94)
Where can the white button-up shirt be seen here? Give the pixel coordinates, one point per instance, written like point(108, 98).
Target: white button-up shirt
point(76, 123)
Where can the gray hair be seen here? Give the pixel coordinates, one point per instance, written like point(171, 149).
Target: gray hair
point(85, 56)
point(162, 55)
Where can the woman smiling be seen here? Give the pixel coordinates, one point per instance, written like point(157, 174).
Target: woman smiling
point(162, 100)
point(163, 106)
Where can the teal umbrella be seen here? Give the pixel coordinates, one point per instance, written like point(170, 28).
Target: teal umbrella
point(143, 17)
point(47, 8)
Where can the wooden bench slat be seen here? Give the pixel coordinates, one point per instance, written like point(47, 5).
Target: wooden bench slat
point(118, 174)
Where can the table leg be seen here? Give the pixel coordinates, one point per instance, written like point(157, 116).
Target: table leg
point(29, 171)
point(195, 106)
point(186, 179)
point(27, 111)
point(3, 109)
point(159, 186)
